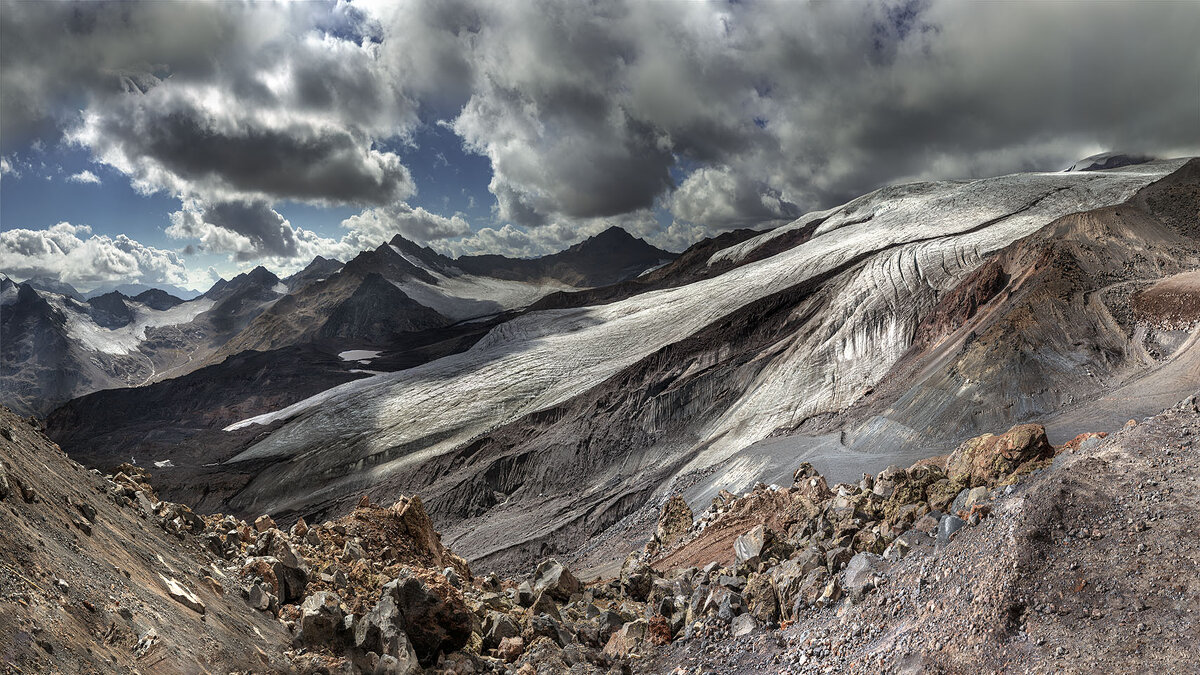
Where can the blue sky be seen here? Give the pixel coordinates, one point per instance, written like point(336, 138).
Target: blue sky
point(218, 136)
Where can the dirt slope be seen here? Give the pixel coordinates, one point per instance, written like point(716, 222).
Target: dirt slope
point(91, 594)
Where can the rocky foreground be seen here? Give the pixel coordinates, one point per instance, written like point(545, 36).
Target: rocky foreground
point(1009, 555)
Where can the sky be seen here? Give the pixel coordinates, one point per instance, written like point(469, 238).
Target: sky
point(176, 143)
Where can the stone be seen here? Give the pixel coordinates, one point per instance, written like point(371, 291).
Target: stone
point(743, 625)
point(987, 459)
point(554, 578)
point(380, 629)
point(544, 604)
point(761, 598)
point(837, 558)
point(948, 526)
point(264, 523)
point(674, 521)
point(927, 524)
point(5, 490)
point(179, 593)
point(300, 529)
point(260, 598)
point(435, 616)
point(405, 664)
point(497, 626)
point(510, 649)
point(321, 618)
point(803, 472)
point(525, 595)
point(628, 640)
point(452, 577)
point(748, 547)
point(636, 578)
point(352, 551)
point(863, 573)
point(279, 548)
point(787, 578)
point(812, 587)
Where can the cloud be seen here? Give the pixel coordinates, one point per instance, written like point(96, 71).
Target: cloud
point(73, 254)
point(721, 199)
point(84, 176)
point(416, 224)
point(726, 114)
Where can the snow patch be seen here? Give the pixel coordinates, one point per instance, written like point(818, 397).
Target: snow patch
point(126, 339)
point(360, 355)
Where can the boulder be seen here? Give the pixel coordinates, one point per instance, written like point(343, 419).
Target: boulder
point(181, 594)
point(637, 578)
point(628, 640)
point(510, 649)
point(948, 527)
point(497, 627)
point(837, 558)
point(761, 598)
point(863, 573)
point(554, 578)
point(749, 546)
point(380, 630)
point(987, 459)
point(321, 619)
point(435, 617)
point(544, 604)
point(743, 625)
point(674, 521)
point(811, 588)
point(264, 523)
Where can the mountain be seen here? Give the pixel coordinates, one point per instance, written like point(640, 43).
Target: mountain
point(133, 290)
point(814, 351)
point(356, 305)
point(52, 285)
point(55, 348)
point(318, 270)
point(607, 258)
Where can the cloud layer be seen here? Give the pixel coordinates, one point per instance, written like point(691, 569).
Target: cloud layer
point(722, 114)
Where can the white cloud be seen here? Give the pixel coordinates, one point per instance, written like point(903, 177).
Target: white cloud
point(73, 254)
point(84, 176)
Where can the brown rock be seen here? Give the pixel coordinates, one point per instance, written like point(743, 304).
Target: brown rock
point(674, 521)
point(264, 523)
point(659, 630)
point(987, 459)
point(510, 649)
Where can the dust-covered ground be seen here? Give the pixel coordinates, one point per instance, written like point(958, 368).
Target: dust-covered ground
point(1091, 565)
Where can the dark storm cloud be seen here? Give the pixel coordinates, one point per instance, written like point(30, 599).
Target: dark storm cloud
point(585, 109)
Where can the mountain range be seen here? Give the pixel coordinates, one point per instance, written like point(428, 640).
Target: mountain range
point(542, 405)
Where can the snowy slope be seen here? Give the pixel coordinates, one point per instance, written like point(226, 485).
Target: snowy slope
point(126, 339)
point(892, 252)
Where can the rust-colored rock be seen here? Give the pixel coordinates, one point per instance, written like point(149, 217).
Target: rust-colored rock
point(986, 459)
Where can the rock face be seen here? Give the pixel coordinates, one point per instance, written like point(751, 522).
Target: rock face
point(321, 618)
point(985, 459)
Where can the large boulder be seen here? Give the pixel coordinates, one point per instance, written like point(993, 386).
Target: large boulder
point(321, 618)
point(381, 629)
point(636, 578)
point(987, 459)
point(761, 598)
point(553, 578)
point(435, 617)
point(863, 573)
point(674, 521)
point(628, 640)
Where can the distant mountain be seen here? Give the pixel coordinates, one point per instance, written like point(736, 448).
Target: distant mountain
point(1109, 160)
point(56, 348)
point(159, 299)
point(319, 269)
point(55, 286)
point(610, 257)
point(133, 290)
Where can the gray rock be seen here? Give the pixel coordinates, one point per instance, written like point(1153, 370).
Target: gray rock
point(452, 577)
point(260, 598)
point(749, 546)
point(636, 579)
point(948, 526)
point(525, 594)
point(380, 629)
point(496, 627)
point(321, 619)
point(863, 573)
point(554, 578)
point(743, 625)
